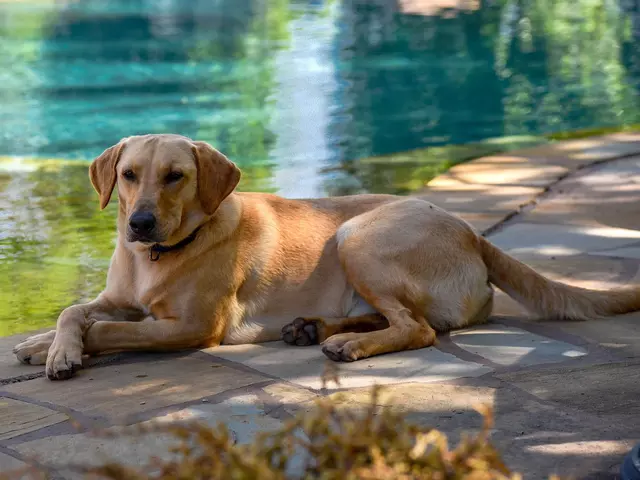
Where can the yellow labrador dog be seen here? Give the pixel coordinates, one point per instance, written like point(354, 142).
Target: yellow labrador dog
point(197, 264)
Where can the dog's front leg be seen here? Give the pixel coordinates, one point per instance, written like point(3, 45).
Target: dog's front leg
point(149, 334)
point(64, 356)
point(34, 349)
point(79, 332)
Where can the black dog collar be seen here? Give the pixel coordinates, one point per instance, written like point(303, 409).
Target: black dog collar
point(156, 249)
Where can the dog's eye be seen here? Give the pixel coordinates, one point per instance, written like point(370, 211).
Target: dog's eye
point(173, 177)
point(129, 175)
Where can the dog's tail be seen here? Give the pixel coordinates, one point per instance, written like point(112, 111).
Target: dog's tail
point(549, 298)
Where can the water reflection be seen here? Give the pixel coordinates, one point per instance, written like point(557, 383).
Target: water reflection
point(54, 247)
point(296, 86)
point(491, 69)
point(55, 243)
point(309, 97)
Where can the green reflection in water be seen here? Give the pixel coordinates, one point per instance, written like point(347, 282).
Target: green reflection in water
point(408, 172)
point(55, 243)
point(54, 246)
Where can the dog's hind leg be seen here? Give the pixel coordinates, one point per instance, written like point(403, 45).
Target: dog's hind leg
point(404, 332)
point(417, 280)
point(399, 299)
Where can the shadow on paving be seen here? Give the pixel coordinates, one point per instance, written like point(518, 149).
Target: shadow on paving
point(571, 420)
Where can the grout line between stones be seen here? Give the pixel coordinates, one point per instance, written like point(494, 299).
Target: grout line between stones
point(214, 399)
point(548, 330)
point(546, 190)
point(124, 358)
point(22, 378)
point(595, 354)
point(85, 421)
point(445, 344)
point(51, 474)
point(65, 427)
point(248, 369)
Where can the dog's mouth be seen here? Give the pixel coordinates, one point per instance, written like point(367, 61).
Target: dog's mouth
point(144, 238)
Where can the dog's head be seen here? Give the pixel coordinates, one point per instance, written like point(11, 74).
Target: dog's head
point(164, 183)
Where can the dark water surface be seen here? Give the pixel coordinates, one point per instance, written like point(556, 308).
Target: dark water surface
point(300, 94)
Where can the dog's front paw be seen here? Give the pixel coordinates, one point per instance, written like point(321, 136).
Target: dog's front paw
point(33, 351)
point(65, 358)
point(302, 332)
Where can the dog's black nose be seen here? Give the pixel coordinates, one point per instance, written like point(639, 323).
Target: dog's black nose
point(142, 222)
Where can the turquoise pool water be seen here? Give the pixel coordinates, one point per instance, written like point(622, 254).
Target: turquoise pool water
point(301, 94)
point(294, 87)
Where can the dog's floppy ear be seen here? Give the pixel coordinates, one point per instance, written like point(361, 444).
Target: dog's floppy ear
point(217, 176)
point(102, 172)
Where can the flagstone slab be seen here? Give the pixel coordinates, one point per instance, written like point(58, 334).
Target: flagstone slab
point(588, 212)
point(511, 169)
point(624, 252)
point(479, 221)
point(293, 399)
point(586, 270)
point(621, 169)
point(542, 165)
point(624, 137)
point(608, 391)
point(619, 334)
point(304, 365)
point(510, 346)
point(606, 150)
point(607, 195)
point(577, 153)
point(243, 415)
point(92, 449)
point(529, 433)
point(10, 464)
point(117, 391)
point(287, 394)
point(454, 195)
point(18, 417)
point(561, 240)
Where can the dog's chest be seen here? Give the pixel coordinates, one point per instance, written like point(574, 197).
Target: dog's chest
point(152, 288)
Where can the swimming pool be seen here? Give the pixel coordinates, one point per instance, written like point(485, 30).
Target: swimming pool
point(300, 94)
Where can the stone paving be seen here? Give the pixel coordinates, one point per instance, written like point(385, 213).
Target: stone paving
point(566, 394)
